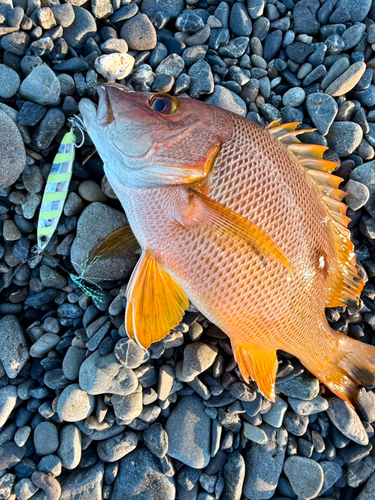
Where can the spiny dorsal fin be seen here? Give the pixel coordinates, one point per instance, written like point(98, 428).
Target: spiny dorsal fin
point(347, 285)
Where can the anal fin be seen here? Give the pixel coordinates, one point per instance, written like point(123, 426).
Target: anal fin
point(260, 365)
point(156, 303)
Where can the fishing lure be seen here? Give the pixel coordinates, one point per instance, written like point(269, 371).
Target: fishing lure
point(57, 186)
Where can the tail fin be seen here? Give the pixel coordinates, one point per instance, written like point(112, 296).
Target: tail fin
point(352, 366)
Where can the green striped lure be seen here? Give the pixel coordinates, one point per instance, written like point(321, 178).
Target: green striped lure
point(57, 186)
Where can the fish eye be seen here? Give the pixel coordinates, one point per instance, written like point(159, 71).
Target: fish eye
point(163, 104)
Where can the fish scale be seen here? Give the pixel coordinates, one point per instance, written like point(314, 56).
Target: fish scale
point(253, 233)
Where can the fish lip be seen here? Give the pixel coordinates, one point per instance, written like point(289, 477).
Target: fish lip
point(88, 110)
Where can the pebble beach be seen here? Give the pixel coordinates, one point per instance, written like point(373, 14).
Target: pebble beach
point(87, 414)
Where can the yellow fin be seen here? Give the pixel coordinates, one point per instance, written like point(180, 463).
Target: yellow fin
point(260, 365)
point(229, 223)
point(117, 243)
point(156, 303)
point(349, 279)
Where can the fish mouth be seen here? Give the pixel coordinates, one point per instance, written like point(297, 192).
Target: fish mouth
point(102, 113)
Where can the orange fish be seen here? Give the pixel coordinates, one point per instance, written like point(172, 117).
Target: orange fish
point(244, 222)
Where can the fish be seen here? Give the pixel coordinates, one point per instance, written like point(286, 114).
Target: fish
point(247, 223)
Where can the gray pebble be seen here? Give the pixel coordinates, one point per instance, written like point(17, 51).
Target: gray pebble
point(72, 362)
point(301, 387)
point(240, 21)
point(43, 345)
point(83, 481)
point(264, 464)
point(22, 435)
point(115, 448)
point(9, 82)
point(48, 484)
point(46, 439)
point(139, 33)
point(69, 449)
point(14, 352)
point(347, 80)
point(129, 353)
point(8, 398)
point(305, 475)
point(128, 407)
point(226, 99)
point(344, 137)
point(332, 473)
point(357, 194)
point(276, 414)
point(311, 407)
point(74, 404)
point(41, 86)
point(12, 151)
point(138, 471)
point(101, 374)
point(189, 414)
point(156, 440)
point(294, 97)
point(25, 489)
point(10, 455)
point(82, 28)
point(197, 358)
point(347, 421)
point(202, 81)
point(322, 110)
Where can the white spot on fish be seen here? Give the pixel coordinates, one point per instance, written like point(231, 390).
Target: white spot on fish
point(321, 262)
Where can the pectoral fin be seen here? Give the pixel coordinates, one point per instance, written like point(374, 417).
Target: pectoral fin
point(260, 365)
point(118, 243)
point(233, 225)
point(156, 303)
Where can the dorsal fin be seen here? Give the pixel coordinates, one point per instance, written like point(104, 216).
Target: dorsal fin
point(347, 284)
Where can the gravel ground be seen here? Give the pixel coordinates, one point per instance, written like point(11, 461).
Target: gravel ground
point(85, 414)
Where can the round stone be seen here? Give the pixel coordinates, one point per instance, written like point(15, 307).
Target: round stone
point(294, 97)
point(74, 404)
point(139, 33)
point(9, 82)
point(305, 476)
point(344, 137)
point(82, 28)
point(12, 151)
point(46, 439)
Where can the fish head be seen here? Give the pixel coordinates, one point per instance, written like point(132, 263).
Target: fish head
point(153, 139)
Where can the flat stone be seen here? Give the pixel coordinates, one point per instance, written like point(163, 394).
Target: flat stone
point(41, 86)
point(332, 473)
point(347, 421)
point(357, 194)
point(141, 476)
point(357, 11)
point(322, 110)
point(14, 351)
point(12, 151)
point(83, 483)
point(275, 415)
point(69, 449)
point(301, 387)
point(189, 415)
point(156, 440)
point(72, 362)
point(8, 399)
point(10, 455)
point(347, 80)
point(202, 81)
point(344, 137)
point(82, 28)
point(197, 358)
point(294, 97)
point(311, 407)
point(264, 464)
point(305, 475)
point(9, 82)
point(74, 404)
point(139, 32)
point(102, 374)
point(254, 433)
point(304, 15)
point(115, 448)
point(46, 439)
point(226, 99)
